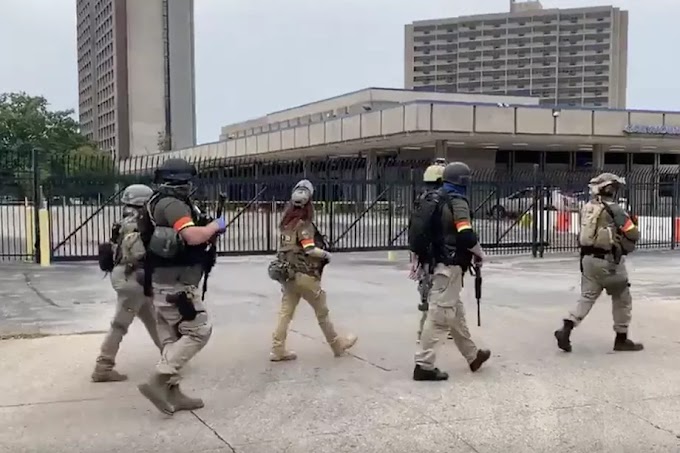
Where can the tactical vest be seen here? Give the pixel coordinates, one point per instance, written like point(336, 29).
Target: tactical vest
point(129, 248)
point(164, 246)
point(291, 252)
point(596, 231)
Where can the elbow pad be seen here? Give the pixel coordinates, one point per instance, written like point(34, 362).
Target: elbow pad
point(466, 239)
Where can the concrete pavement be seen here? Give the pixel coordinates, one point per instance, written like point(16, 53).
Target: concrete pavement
point(530, 397)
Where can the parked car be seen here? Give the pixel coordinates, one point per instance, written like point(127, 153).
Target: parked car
point(519, 202)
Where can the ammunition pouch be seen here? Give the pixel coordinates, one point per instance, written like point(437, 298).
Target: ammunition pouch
point(184, 304)
point(280, 271)
point(105, 257)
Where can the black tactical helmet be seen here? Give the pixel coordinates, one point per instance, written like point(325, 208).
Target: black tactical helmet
point(175, 171)
point(457, 173)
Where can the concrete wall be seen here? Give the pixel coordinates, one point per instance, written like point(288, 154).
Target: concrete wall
point(353, 103)
point(456, 121)
point(182, 85)
point(146, 72)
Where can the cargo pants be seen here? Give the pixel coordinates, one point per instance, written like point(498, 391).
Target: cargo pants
point(446, 314)
point(604, 275)
point(181, 339)
point(131, 303)
point(306, 287)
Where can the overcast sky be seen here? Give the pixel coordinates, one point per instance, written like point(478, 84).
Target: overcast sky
point(258, 56)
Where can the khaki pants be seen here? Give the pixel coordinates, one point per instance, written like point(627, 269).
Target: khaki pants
point(603, 274)
point(131, 303)
point(446, 314)
point(308, 288)
point(182, 339)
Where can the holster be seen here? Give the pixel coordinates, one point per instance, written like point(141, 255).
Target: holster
point(184, 304)
point(105, 257)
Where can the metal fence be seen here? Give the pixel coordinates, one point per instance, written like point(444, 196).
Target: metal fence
point(360, 204)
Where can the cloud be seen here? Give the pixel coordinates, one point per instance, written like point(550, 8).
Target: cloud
point(258, 56)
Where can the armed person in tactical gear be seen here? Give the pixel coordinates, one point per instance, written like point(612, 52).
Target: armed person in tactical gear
point(126, 256)
point(422, 272)
point(298, 266)
point(455, 247)
point(177, 237)
point(607, 234)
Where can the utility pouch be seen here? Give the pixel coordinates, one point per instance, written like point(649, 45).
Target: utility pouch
point(184, 305)
point(105, 257)
point(280, 271)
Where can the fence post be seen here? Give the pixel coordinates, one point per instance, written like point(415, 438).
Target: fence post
point(535, 213)
point(44, 222)
point(674, 212)
point(270, 225)
point(35, 189)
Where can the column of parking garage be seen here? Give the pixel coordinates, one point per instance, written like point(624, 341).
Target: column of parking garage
point(371, 176)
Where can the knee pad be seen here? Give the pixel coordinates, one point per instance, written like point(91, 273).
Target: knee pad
point(116, 325)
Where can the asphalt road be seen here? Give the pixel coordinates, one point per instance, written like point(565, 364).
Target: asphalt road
point(530, 397)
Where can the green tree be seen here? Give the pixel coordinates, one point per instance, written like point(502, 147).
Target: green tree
point(65, 158)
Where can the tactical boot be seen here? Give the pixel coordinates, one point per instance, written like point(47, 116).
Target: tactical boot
point(99, 375)
point(623, 343)
point(482, 356)
point(341, 344)
point(420, 374)
point(563, 335)
point(282, 356)
point(181, 402)
point(157, 390)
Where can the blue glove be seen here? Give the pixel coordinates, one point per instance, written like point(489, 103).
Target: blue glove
point(221, 224)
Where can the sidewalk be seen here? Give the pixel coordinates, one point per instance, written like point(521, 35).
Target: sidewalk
point(530, 397)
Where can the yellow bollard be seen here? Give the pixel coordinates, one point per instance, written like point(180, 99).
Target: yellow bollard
point(45, 248)
point(30, 229)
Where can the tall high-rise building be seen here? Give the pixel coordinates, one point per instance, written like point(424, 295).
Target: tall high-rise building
point(136, 74)
point(575, 57)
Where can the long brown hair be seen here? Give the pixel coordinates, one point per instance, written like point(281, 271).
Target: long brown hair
point(293, 214)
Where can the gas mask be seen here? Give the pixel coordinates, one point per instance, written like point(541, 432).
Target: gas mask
point(302, 193)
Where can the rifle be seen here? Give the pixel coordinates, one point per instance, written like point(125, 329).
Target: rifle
point(477, 272)
point(212, 246)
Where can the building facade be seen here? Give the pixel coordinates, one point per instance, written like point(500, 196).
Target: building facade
point(361, 101)
point(136, 74)
point(565, 57)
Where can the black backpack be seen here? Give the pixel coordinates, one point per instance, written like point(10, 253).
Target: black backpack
point(423, 226)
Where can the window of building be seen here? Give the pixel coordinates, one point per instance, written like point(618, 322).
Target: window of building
point(528, 157)
point(557, 157)
point(643, 158)
point(583, 159)
point(615, 158)
point(669, 159)
point(503, 156)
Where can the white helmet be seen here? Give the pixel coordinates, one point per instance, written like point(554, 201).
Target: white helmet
point(302, 193)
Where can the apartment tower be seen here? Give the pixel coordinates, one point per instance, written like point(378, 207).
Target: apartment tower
point(570, 57)
point(136, 74)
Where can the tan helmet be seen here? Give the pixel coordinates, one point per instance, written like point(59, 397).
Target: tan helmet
point(434, 173)
point(603, 180)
